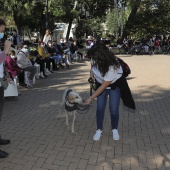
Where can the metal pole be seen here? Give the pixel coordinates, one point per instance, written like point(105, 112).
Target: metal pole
point(46, 14)
point(91, 90)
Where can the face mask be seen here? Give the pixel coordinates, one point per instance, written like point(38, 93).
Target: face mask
point(12, 56)
point(42, 45)
point(1, 35)
point(25, 50)
point(50, 45)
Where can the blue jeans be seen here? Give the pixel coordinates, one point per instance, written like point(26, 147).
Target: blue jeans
point(68, 54)
point(58, 58)
point(114, 100)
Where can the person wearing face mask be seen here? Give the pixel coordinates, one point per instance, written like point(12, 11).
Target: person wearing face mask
point(45, 57)
point(55, 56)
point(24, 62)
point(60, 52)
point(66, 49)
point(12, 67)
point(3, 56)
point(37, 59)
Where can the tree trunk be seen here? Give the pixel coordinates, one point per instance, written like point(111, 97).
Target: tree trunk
point(18, 22)
point(122, 19)
point(71, 21)
point(131, 17)
point(117, 16)
point(69, 28)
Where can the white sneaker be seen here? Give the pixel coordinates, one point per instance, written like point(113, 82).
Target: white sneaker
point(97, 135)
point(29, 83)
point(115, 134)
point(47, 71)
point(41, 75)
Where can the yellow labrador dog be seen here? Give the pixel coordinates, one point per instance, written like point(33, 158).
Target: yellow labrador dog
point(70, 102)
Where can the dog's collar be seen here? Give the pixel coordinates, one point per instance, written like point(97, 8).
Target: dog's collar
point(71, 108)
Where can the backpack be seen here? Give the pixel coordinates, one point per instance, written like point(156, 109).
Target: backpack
point(125, 67)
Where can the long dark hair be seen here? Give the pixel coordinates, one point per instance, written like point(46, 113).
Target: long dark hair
point(103, 57)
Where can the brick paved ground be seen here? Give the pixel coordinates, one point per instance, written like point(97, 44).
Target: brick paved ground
point(39, 141)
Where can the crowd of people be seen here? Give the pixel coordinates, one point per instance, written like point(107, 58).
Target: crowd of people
point(49, 55)
point(146, 45)
point(18, 57)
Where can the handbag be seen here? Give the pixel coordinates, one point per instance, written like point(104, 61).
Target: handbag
point(4, 83)
point(95, 84)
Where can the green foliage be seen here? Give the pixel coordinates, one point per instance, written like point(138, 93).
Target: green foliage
point(139, 18)
point(111, 21)
point(150, 19)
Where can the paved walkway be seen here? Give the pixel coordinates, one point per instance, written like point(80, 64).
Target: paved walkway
point(39, 141)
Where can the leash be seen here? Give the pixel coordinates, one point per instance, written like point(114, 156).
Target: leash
point(91, 81)
point(82, 109)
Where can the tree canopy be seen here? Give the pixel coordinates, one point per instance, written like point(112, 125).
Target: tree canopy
point(122, 17)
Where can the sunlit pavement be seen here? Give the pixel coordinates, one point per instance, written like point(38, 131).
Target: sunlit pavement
point(40, 141)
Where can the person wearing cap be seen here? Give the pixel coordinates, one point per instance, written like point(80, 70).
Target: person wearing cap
point(88, 41)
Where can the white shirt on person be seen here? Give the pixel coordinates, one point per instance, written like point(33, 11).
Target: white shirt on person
point(47, 38)
point(112, 74)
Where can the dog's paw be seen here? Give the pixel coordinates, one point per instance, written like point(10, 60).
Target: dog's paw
point(73, 133)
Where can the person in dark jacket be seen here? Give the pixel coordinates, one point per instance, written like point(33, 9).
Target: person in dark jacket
point(55, 55)
point(60, 51)
point(75, 50)
point(107, 72)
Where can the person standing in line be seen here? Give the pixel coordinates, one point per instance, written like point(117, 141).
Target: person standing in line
point(16, 39)
point(3, 56)
point(47, 37)
point(108, 75)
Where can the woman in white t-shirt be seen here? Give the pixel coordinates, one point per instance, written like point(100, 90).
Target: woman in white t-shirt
point(106, 70)
point(47, 37)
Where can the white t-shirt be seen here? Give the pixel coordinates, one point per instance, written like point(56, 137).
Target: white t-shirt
point(47, 38)
point(112, 74)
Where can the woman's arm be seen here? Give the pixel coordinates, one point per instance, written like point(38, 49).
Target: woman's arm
point(104, 85)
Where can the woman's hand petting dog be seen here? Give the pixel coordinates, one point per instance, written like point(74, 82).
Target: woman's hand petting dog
point(88, 101)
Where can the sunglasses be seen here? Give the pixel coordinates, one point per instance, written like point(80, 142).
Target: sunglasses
point(26, 47)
